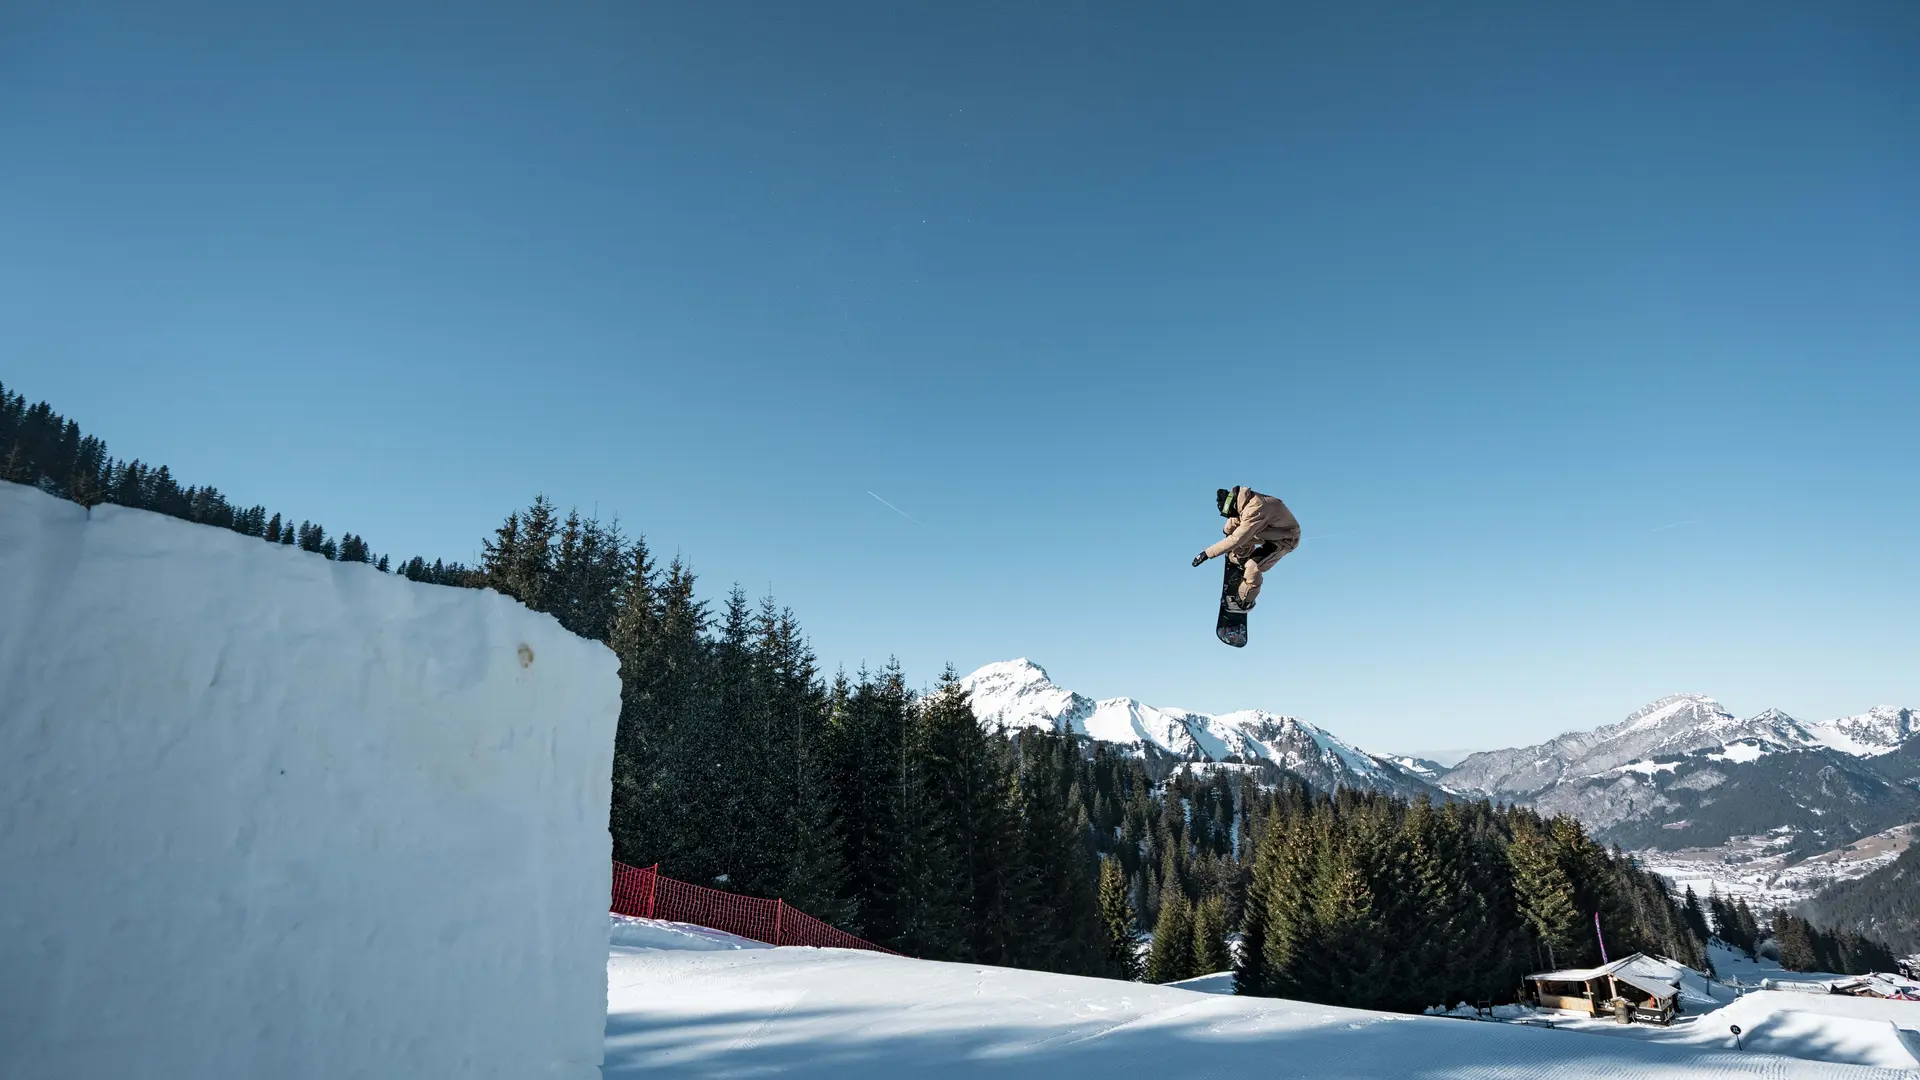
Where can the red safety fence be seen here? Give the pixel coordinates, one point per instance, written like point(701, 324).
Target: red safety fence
point(646, 893)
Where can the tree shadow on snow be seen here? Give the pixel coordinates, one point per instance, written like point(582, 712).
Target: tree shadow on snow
point(1198, 1042)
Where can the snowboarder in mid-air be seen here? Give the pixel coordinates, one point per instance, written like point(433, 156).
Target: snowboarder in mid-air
point(1260, 530)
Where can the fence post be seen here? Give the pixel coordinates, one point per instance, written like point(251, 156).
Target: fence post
point(653, 888)
point(779, 919)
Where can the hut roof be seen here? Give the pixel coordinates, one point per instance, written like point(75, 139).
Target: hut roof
point(1635, 970)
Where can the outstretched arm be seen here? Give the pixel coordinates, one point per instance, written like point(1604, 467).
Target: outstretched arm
point(1239, 535)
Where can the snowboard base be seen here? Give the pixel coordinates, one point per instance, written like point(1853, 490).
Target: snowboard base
point(1231, 625)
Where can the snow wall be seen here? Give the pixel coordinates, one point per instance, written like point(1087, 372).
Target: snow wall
point(262, 814)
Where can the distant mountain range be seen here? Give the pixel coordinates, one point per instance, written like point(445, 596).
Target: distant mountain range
point(1683, 772)
point(1679, 773)
point(1673, 726)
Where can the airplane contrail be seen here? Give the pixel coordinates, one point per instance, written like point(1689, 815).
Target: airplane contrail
point(1675, 525)
point(906, 515)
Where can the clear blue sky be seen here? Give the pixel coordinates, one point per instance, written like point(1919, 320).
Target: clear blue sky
point(1583, 339)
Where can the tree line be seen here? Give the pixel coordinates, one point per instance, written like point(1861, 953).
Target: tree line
point(1798, 944)
point(1884, 904)
point(891, 812)
point(43, 449)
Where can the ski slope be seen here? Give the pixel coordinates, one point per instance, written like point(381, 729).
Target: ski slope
point(680, 1007)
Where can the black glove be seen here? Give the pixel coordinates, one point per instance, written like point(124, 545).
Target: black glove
point(1200, 558)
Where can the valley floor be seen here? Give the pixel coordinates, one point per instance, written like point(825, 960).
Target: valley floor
point(689, 1003)
point(1763, 870)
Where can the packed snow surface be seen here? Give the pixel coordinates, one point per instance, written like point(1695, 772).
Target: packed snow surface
point(625, 931)
point(800, 1012)
point(1791, 1023)
point(262, 814)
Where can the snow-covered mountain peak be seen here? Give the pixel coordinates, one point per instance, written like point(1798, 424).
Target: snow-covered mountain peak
point(1672, 709)
point(1877, 731)
point(1017, 672)
point(1673, 725)
point(1019, 694)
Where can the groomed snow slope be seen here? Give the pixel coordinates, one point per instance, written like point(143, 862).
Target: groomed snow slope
point(829, 1013)
point(262, 814)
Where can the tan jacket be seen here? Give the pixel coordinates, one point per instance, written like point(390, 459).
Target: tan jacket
point(1260, 517)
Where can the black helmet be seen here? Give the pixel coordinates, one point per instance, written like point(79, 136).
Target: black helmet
point(1223, 498)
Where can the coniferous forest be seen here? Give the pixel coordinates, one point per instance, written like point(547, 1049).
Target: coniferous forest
point(887, 810)
point(1885, 903)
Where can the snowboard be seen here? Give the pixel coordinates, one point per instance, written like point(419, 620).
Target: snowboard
point(1231, 626)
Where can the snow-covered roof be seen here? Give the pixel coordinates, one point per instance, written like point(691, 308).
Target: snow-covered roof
point(1659, 988)
point(1883, 983)
point(1636, 970)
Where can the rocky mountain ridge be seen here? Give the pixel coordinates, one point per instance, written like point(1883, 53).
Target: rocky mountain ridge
point(1680, 773)
point(1019, 694)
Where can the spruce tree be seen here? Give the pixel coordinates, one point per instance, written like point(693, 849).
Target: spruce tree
point(967, 832)
point(1795, 941)
point(1210, 953)
point(1053, 894)
point(1695, 916)
point(1118, 920)
point(1747, 926)
point(1351, 965)
point(1171, 957)
point(1545, 895)
point(1282, 932)
point(867, 742)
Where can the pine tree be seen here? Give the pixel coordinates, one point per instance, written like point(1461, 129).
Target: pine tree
point(1747, 926)
point(867, 741)
point(966, 834)
point(1210, 953)
point(1053, 894)
point(353, 549)
point(1795, 940)
point(1282, 931)
point(1171, 958)
point(1351, 965)
point(644, 734)
point(1545, 895)
point(1695, 916)
point(1118, 919)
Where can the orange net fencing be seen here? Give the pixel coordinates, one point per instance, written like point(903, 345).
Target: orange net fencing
point(643, 892)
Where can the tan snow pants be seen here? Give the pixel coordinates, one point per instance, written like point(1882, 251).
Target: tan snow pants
point(1258, 557)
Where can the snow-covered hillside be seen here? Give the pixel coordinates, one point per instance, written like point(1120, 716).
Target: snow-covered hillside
point(1019, 694)
point(267, 815)
point(1879, 730)
point(698, 1011)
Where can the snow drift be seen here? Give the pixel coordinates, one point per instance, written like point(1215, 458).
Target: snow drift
point(262, 814)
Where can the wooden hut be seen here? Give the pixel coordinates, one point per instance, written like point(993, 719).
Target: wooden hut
point(1630, 988)
point(1879, 985)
